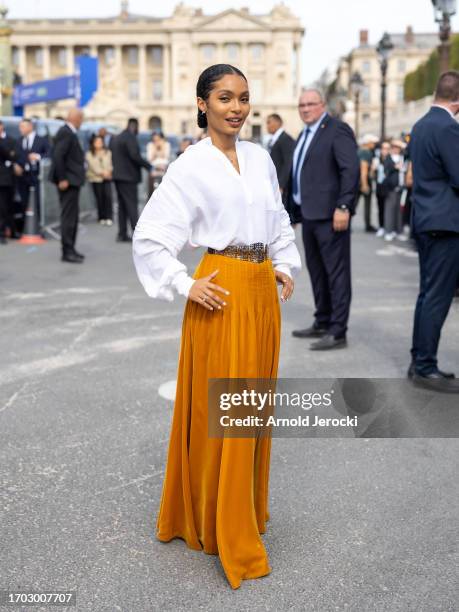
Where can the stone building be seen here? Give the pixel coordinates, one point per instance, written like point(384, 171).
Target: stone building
point(410, 50)
point(148, 66)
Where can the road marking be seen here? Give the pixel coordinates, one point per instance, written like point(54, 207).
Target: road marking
point(167, 390)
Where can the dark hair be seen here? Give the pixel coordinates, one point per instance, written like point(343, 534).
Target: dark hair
point(205, 83)
point(157, 133)
point(448, 86)
point(94, 137)
point(27, 120)
point(133, 123)
point(276, 117)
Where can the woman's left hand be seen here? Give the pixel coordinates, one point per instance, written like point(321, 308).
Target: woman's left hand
point(288, 285)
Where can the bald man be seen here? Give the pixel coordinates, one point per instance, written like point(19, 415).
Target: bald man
point(68, 172)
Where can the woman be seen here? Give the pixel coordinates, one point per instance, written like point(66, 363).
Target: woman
point(223, 194)
point(158, 155)
point(379, 175)
point(393, 185)
point(99, 174)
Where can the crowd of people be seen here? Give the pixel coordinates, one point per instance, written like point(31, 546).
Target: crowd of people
point(111, 165)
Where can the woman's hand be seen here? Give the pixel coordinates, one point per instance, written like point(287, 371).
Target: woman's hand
point(202, 291)
point(287, 283)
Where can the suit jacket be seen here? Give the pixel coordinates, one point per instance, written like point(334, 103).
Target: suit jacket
point(126, 158)
point(282, 155)
point(41, 146)
point(434, 152)
point(330, 175)
point(7, 157)
point(67, 158)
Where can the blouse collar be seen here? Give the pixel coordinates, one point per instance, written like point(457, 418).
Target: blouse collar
point(240, 156)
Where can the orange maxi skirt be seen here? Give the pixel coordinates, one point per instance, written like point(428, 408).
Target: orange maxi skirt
point(215, 490)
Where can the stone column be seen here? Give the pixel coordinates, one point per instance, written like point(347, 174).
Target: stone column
point(46, 50)
point(70, 59)
point(142, 73)
point(166, 72)
point(298, 70)
point(119, 60)
point(22, 64)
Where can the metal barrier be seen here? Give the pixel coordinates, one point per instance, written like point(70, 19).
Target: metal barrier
point(49, 198)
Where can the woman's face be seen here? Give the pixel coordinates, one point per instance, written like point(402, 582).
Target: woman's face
point(228, 104)
point(98, 144)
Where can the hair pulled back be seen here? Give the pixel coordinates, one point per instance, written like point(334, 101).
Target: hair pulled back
point(205, 83)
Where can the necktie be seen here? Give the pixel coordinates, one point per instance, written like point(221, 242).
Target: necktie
point(297, 168)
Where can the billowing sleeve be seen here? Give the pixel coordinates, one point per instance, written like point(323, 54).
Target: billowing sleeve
point(160, 234)
point(283, 251)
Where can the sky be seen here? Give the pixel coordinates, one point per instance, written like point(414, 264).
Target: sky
point(332, 26)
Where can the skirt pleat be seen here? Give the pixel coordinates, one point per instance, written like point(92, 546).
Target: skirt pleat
point(215, 490)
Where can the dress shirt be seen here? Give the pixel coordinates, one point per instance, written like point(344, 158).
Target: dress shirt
point(204, 201)
point(312, 132)
point(27, 141)
point(272, 141)
point(71, 126)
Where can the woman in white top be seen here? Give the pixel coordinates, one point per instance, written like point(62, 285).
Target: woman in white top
point(222, 194)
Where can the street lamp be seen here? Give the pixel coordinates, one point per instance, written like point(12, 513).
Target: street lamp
point(384, 47)
point(357, 85)
point(443, 11)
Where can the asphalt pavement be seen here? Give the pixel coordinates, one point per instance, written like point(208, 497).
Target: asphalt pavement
point(356, 524)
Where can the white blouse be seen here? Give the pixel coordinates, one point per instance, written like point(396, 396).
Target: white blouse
point(204, 201)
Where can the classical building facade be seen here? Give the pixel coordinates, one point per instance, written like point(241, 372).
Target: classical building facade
point(410, 50)
point(148, 66)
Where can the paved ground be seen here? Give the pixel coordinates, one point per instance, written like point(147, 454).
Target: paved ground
point(355, 524)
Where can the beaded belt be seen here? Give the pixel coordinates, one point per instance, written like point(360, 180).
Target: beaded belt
point(257, 252)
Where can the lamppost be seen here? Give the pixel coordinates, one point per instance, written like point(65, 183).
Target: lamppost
point(443, 11)
point(384, 48)
point(357, 85)
point(6, 72)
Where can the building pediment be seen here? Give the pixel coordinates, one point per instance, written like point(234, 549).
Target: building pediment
point(231, 20)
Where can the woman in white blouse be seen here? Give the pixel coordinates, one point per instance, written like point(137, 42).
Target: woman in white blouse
point(221, 194)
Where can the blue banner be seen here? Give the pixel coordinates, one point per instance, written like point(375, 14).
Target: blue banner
point(87, 78)
point(81, 86)
point(45, 91)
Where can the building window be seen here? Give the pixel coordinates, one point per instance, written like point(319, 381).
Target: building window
point(256, 90)
point(256, 52)
point(400, 92)
point(208, 52)
point(402, 65)
point(366, 66)
point(232, 51)
point(62, 57)
point(133, 55)
point(366, 116)
point(133, 90)
point(38, 57)
point(366, 97)
point(157, 55)
point(15, 56)
point(157, 89)
point(109, 55)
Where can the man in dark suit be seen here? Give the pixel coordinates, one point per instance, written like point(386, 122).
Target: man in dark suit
point(7, 163)
point(280, 146)
point(324, 186)
point(127, 163)
point(434, 152)
point(68, 172)
point(31, 149)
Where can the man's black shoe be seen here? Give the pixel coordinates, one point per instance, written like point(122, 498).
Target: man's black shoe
point(371, 229)
point(123, 239)
point(328, 342)
point(80, 255)
point(71, 258)
point(436, 382)
point(310, 332)
point(411, 372)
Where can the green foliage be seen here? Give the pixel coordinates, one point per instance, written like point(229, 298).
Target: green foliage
point(422, 81)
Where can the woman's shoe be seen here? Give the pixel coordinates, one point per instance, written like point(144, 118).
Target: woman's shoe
point(380, 233)
point(108, 222)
